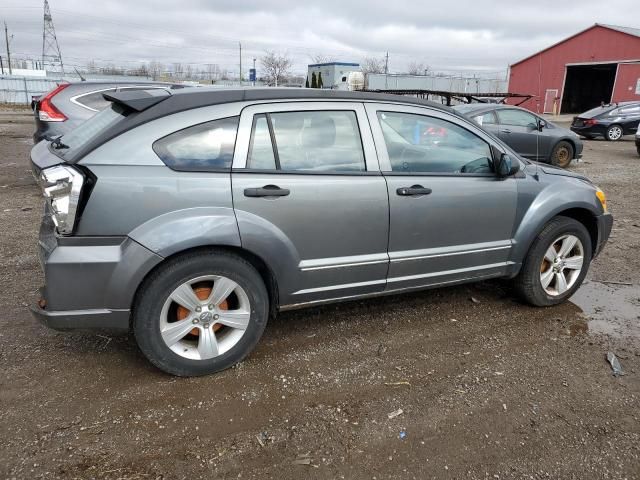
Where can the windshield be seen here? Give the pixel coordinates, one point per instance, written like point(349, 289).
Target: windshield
point(88, 131)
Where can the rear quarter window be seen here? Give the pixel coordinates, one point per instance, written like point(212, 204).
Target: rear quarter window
point(205, 147)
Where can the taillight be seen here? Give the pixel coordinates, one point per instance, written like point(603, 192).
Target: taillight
point(591, 121)
point(47, 111)
point(62, 186)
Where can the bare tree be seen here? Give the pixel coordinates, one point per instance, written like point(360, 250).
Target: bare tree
point(372, 65)
point(156, 69)
point(321, 58)
point(178, 70)
point(188, 72)
point(213, 71)
point(417, 68)
point(276, 67)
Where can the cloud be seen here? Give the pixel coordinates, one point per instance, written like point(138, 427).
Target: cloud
point(461, 35)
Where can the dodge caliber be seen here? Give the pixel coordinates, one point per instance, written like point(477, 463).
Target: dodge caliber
point(192, 217)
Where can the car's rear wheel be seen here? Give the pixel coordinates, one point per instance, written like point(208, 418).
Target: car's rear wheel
point(614, 133)
point(562, 154)
point(556, 263)
point(200, 313)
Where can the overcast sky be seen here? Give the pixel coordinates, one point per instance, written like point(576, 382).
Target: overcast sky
point(447, 35)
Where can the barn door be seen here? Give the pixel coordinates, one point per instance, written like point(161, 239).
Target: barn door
point(550, 100)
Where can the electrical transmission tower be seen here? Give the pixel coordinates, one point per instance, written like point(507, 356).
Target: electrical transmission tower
point(50, 49)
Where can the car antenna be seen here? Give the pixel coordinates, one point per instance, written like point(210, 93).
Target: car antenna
point(82, 79)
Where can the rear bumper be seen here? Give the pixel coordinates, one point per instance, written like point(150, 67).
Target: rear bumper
point(605, 224)
point(591, 130)
point(90, 281)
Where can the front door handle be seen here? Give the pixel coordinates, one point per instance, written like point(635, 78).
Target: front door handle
point(266, 191)
point(506, 130)
point(413, 190)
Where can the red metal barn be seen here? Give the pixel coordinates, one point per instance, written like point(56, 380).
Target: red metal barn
point(599, 64)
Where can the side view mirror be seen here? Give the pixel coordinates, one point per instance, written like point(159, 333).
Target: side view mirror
point(507, 166)
point(541, 124)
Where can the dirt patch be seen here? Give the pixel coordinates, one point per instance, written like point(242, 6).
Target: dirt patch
point(487, 389)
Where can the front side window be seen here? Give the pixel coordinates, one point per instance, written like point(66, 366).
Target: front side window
point(201, 148)
point(516, 118)
point(307, 141)
point(418, 143)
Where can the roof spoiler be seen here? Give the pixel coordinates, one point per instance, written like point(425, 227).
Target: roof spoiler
point(137, 100)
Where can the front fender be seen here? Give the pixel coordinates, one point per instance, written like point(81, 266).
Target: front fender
point(180, 230)
point(551, 201)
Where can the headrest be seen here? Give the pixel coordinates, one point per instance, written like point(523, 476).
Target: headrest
point(320, 133)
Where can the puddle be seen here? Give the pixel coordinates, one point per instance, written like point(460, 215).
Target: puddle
point(610, 309)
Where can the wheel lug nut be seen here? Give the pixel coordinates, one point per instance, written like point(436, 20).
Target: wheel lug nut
point(210, 307)
point(195, 320)
point(206, 325)
point(198, 309)
point(216, 316)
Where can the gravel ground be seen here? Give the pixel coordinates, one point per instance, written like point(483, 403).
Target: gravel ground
point(488, 387)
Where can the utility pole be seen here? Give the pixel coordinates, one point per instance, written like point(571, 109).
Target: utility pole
point(6, 39)
point(240, 44)
point(1, 65)
point(386, 70)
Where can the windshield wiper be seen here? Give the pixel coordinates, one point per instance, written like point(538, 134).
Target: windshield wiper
point(57, 143)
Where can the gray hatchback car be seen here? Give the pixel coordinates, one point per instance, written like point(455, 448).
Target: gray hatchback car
point(192, 217)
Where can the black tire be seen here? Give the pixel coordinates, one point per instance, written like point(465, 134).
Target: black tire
point(613, 130)
point(562, 154)
point(157, 288)
point(528, 283)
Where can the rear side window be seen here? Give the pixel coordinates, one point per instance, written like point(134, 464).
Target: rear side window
point(308, 141)
point(517, 118)
point(95, 100)
point(202, 148)
point(488, 118)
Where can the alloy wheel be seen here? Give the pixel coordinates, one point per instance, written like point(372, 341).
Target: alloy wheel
point(205, 317)
point(615, 133)
point(561, 265)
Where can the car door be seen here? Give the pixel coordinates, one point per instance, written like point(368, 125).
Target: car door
point(519, 130)
point(309, 197)
point(630, 117)
point(489, 122)
point(451, 217)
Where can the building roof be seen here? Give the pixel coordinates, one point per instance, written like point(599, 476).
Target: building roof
point(336, 64)
point(635, 32)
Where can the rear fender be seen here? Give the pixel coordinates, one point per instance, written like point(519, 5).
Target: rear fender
point(181, 230)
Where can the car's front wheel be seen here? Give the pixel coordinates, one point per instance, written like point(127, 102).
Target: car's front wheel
point(200, 313)
point(614, 133)
point(556, 263)
point(562, 154)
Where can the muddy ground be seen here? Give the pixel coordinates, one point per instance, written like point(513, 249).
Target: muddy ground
point(489, 388)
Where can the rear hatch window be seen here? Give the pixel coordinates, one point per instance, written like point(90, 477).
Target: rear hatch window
point(65, 146)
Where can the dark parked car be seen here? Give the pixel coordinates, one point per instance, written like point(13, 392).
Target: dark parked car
point(638, 141)
point(609, 121)
point(191, 218)
point(70, 104)
point(531, 136)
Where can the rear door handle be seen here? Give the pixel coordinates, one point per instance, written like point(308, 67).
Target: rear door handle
point(266, 191)
point(413, 190)
point(506, 130)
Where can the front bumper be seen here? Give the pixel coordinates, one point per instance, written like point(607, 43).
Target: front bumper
point(90, 281)
point(605, 224)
